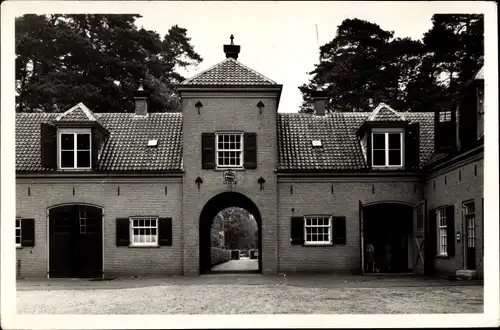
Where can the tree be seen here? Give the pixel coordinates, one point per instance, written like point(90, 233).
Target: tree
point(239, 226)
point(363, 65)
point(98, 60)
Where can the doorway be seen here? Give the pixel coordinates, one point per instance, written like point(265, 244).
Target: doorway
point(75, 241)
point(470, 235)
point(387, 238)
point(210, 212)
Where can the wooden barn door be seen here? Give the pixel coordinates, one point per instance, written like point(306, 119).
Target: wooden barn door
point(75, 248)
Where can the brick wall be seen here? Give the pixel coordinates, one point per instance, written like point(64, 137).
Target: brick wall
point(144, 198)
point(314, 196)
point(453, 185)
point(237, 113)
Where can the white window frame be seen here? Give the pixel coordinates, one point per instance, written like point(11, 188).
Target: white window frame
point(18, 245)
point(444, 116)
point(241, 149)
point(442, 232)
point(132, 227)
point(329, 217)
point(386, 132)
point(75, 132)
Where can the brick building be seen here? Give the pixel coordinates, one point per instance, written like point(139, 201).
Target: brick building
point(136, 193)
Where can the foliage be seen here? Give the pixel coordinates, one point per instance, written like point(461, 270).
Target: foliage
point(365, 65)
point(98, 60)
point(239, 226)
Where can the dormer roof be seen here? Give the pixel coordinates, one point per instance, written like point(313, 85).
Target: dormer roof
point(78, 113)
point(383, 112)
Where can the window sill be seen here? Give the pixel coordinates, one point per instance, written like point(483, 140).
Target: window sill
point(387, 168)
point(19, 246)
point(143, 246)
point(319, 245)
point(74, 169)
point(442, 256)
point(220, 169)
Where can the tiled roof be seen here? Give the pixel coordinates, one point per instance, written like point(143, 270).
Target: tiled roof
point(126, 148)
point(229, 72)
point(383, 112)
point(341, 149)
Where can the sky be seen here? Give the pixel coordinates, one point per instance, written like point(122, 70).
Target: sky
point(277, 39)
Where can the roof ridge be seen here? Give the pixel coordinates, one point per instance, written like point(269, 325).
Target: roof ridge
point(87, 112)
point(381, 106)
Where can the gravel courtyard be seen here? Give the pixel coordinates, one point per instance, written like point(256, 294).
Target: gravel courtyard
point(247, 295)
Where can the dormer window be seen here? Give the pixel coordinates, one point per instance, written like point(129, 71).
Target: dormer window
point(444, 116)
point(317, 143)
point(74, 149)
point(387, 148)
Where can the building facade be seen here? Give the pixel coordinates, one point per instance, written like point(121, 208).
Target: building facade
point(136, 193)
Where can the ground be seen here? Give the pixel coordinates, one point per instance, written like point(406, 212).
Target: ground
point(250, 294)
point(243, 264)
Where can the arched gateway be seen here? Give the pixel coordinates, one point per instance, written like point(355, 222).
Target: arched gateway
point(208, 213)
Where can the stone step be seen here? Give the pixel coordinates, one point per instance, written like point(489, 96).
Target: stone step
point(466, 274)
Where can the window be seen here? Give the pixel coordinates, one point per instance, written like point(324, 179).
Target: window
point(18, 232)
point(387, 148)
point(444, 116)
point(442, 229)
point(144, 231)
point(470, 221)
point(420, 217)
point(229, 149)
point(74, 149)
point(317, 143)
point(318, 230)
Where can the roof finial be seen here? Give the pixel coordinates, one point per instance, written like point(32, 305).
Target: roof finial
point(232, 50)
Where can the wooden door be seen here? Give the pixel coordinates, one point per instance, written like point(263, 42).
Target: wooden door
point(430, 243)
point(361, 237)
point(75, 248)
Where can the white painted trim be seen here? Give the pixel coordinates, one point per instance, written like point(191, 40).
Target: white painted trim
point(73, 131)
point(318, 243)
point(241, 150)
point(131, 231)
point(386, 132)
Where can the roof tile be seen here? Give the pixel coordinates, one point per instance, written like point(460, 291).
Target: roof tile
point(229, 72)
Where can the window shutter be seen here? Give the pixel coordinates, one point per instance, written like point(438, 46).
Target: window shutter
point(297, 230)
point(165, 231)
point(27, 232)
point(122, 231)
point(412, 152)
point(208, 150)
point(338, 230)
point(48, 134)
point(450, 230)
point(97, 142)
point(431, 234)
point(250, 145)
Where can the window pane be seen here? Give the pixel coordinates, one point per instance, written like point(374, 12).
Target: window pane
point(67, 142)
point(83, 159)
point(83, 141)
point(379, 157)
point(378, 141)
point(394, 157)
point(67, 158)
point(395, 141)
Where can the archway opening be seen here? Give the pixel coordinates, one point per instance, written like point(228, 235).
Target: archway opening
point(230, 235)
point(388, 240)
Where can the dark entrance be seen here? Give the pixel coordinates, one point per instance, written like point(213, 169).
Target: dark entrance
point(387, 231)
point(75, 241)
point(211, 209)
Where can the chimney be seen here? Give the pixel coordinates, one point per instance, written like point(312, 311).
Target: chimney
point(141, 101)
point(232, 50)
point(319, 98)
